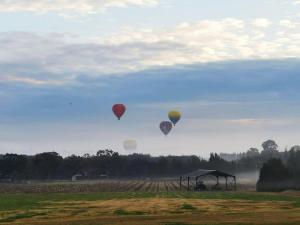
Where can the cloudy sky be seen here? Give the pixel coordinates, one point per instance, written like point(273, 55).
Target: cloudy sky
point(231, 67)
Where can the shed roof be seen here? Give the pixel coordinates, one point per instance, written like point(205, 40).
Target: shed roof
point(202, 172)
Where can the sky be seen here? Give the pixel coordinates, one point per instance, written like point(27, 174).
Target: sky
point(231, 67)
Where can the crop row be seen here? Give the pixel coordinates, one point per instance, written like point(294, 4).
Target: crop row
point(93, 186)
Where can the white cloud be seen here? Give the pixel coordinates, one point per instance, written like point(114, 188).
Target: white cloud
point(63, 6)
point(28, 80)
point(288, 24)
point(297, 2)
point(261, 22)
point(60, 57)
point(245, 122)
point(261, 122)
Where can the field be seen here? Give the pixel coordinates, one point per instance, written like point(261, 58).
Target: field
point(152, 185)
point(142, 203)
point(93, 186)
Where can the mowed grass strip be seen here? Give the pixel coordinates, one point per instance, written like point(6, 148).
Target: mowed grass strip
point(31, 201)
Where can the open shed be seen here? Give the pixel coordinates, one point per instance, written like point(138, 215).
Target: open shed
point(196, 178)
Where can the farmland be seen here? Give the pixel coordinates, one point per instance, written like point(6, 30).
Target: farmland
point(141, 202)
point(103, 186)
point(93, 186)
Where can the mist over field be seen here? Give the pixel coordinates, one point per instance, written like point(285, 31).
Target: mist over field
point(248, 177)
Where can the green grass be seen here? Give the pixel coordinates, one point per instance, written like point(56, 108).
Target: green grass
point(186, 206)
point(32, 201)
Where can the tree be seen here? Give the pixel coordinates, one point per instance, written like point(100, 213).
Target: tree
point(13, 165)
point(293, 161)
point(72, 165)
point(47, 164)
point(269, 145)
point(270, 150)
point(274, 171)
point(214, 157)
point(105, 153)
point(252, 152)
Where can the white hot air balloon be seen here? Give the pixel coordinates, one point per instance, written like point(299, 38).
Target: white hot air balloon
point(130, 145)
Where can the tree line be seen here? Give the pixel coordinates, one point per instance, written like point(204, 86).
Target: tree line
point(52, 166)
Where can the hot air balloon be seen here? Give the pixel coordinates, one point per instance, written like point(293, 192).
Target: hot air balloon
point(130, 145)
point(166, 127)
point(119, 110)
point(174, 116)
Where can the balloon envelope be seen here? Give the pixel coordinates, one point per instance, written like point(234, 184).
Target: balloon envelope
point(130, 145)
point(119, 110)
point(174, 116)
point(166, 127)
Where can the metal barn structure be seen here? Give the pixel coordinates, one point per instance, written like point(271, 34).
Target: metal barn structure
point(197, 178)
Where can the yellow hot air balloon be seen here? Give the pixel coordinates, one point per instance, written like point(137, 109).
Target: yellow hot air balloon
point(130, 145)
point(174, 116)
